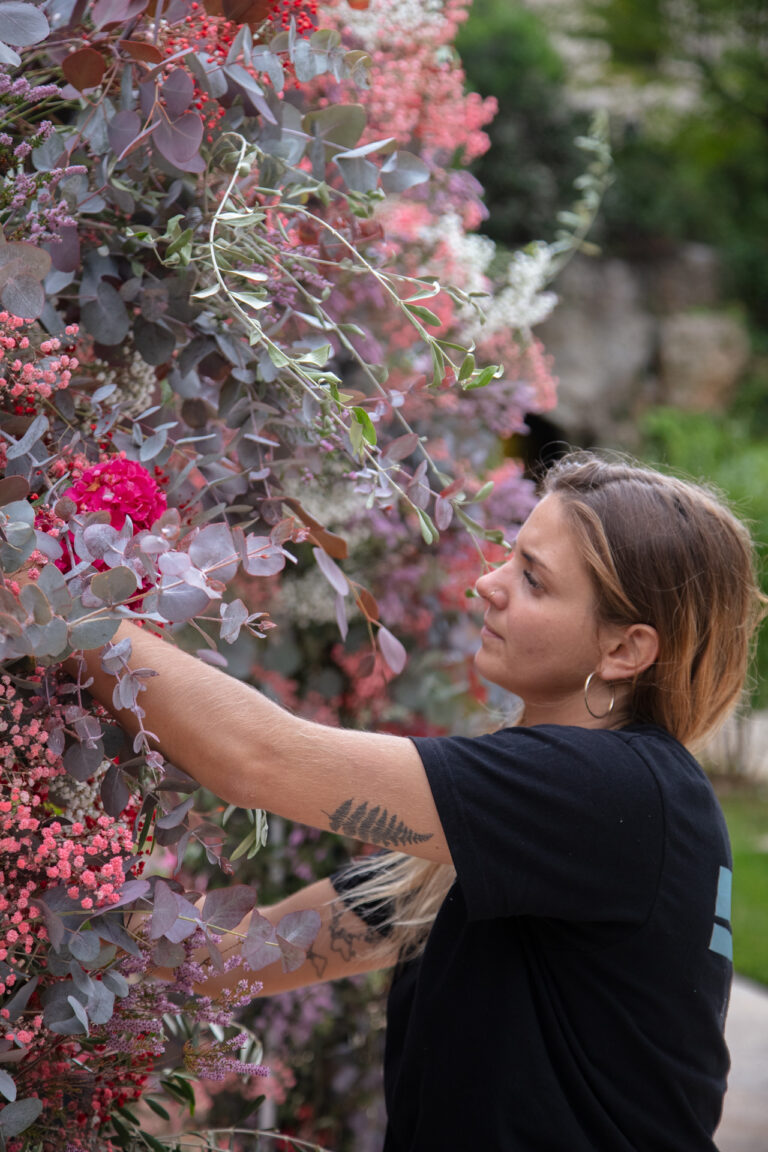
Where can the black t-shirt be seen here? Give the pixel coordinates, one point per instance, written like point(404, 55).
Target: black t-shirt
point(573, 990)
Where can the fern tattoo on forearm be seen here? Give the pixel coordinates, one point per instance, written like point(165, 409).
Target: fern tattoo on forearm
point(374, 825)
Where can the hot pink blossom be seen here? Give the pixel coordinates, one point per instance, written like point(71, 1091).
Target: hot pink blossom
point(123, 488)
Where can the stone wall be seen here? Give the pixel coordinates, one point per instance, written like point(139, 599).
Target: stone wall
point(629, 335)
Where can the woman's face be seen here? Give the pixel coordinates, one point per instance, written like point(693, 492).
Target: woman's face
point(540, 637)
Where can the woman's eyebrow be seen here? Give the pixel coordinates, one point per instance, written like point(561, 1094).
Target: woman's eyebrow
point(531, 558)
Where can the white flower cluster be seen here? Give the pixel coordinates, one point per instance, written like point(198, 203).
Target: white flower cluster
point(78, 800)
point(381, 18)
point(462, 258)
point(521, 303)
point(308, 599)
point(136, 381)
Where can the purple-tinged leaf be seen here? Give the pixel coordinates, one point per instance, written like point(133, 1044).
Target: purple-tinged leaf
point(176, 816)
point(116, 982)
point(122, 130)
point(215, 659)
point(188, 922)
point(79, 1012)
point(13, 489)
point(54, 925)
point(114, 793)
point(114, 655)
point(418, 489)
point(168, 955)
point(392, 650)
point(81, 761)
point(65, 252)
point(216, 958)
point(179, 140)
point(213, 551)
point(90, 634)
point(17, 1117)
point(105, 316)
point(259, 947)
point(37, 428)
point(18, 1002)
point(295, 934)
point(341, 616)
point(260, 557)
point(233, 616)
point(101, 1004)
point(7, 1086)
point(84, 946)
point(22, 24)
point(84, 68)
point(331, 571)
point(402, 170)
point(23, 295)
point(106, 12)
point(224, 908)
point(401, 447)
point(177, 91)
point(181, 603)
point(443, 513)
point(165, 911)
point(130, 891)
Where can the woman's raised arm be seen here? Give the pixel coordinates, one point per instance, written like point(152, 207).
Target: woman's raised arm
point(250, 752)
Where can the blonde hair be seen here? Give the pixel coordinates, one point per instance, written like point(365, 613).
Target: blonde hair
point(661, 551)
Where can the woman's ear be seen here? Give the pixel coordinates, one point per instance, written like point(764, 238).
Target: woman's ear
point(628, 651)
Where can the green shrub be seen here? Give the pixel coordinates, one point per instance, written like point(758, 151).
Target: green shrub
point(725, 452)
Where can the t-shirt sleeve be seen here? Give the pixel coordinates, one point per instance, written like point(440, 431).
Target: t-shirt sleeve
point(549, 821)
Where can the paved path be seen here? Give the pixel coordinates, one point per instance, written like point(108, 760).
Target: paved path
point(744, 1127)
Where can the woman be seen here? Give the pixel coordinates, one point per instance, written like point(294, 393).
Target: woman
point(558, 895)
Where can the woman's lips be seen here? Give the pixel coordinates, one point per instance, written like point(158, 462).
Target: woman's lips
point(486, 630)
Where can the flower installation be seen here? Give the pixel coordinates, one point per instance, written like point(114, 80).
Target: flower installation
point(243, 368)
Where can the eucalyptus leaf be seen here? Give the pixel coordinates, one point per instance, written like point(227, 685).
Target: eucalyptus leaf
point(15, 1118)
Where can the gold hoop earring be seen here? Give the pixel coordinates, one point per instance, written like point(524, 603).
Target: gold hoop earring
point(600, 715)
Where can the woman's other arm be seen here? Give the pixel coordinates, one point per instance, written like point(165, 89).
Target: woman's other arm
point(344, 946)
point(252, 753)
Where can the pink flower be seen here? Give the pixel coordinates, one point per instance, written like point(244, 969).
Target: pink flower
point(123, 488)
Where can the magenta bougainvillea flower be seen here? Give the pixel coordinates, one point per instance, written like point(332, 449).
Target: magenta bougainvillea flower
point(123, 488)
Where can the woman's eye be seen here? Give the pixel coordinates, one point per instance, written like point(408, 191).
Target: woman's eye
point(530, 580)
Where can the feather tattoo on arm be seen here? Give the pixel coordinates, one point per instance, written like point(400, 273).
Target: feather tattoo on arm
point(373, 824)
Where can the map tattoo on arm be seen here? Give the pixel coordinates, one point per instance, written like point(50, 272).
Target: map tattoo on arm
point(373, 824)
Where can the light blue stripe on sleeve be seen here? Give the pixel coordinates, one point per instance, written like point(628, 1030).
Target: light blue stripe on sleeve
point(722, 942)
point(724, 886)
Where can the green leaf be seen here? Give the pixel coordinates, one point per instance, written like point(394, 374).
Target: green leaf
point(486, 490)
point(426, 524)
point(206, 293)
point(482, 378)
point(424, 315)
point(157, 1108)
point(318, 356)
point(369, 430)
point(467, 367)
point(251, 300)
point(278, 358)
point(254, 277)
point(438, 366)
point(356, 438)
point(424, 293)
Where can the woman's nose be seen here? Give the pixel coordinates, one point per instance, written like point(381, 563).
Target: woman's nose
point(489, 587)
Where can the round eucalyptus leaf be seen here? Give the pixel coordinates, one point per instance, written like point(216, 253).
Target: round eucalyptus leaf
point(23, 295)
point(114, 586)
point(88, 634)
point(81, 761)
point(19, 1115)
point(106, 317)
